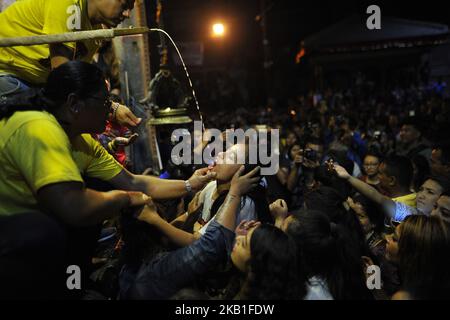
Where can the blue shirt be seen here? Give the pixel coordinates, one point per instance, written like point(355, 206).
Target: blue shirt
point(167, 273)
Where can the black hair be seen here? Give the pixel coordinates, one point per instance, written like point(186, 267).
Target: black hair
point(330, 180)
point(422, 170)
point(341, 158)
point(444, 182)
point(414, 122)
point(273, 272)
point(374, 153)
point(330, 202)
point(372, 212)
point(81, 78)
point(401, 168)
point(142, 241)
point(445, 150)
point(446, 193)
point(326, 251)
point(313, 140)
point(298, 144)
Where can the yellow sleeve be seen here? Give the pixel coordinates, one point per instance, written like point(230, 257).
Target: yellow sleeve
point(60, 16)
point(41, 151)
point(102, 165)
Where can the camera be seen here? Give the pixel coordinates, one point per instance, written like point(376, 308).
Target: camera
point(310, 154)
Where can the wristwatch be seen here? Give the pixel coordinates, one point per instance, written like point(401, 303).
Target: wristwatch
point(187, 185)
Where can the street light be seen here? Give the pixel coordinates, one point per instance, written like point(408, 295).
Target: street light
point(218, 30)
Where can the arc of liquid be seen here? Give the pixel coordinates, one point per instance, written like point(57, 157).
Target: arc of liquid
point(185, 70)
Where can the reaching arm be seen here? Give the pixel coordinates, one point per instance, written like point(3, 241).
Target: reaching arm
point(78, 206)
point(226, 216)
point(161, 188)
point(240, 185)
point(177, 236)
point(368, 191)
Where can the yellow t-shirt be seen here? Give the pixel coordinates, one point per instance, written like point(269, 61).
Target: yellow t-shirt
point(35, 152)
point(409, 199)
point(41, 17)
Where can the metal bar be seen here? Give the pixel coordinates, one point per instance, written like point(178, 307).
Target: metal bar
point(101, 34)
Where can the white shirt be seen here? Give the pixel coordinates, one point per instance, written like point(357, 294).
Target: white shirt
point(247, 211)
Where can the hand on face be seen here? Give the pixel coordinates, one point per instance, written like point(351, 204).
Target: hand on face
point(200, 178)
point(240, 185)
point(244, 226)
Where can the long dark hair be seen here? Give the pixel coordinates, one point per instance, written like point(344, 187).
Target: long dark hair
point(141, 241)
point(326, 251)
point(330, 201)
point(77, 77)
point(423, 252)
point(273, 272)
point(372, 212)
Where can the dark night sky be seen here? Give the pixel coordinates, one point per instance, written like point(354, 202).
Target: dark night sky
point(288, 22)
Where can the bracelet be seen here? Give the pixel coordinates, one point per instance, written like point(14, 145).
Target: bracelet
point(187, 186)
point(114, 107)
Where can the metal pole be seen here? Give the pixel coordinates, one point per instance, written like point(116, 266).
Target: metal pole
point(101, 34)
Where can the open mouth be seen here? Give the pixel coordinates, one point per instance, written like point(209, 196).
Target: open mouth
point(212, 165)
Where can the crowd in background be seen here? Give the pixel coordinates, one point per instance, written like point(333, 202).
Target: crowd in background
point(363, 181)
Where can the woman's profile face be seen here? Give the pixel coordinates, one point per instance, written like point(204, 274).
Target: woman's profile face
point(291, 139)
point(392, 245)
point(295, 150)
point(228, 163)
point(240, 256)
point(95, 112)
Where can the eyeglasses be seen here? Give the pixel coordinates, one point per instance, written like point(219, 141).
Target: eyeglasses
point(108, 101)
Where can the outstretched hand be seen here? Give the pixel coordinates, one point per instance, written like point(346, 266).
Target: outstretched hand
point(341, 172)
point(200, 178)
point(244, 226)
point(149, 213)
point(240, 185)
point(125, 117)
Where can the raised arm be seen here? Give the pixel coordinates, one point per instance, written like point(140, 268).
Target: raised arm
point(161, 188)
point(226, 216)
point(368, 191)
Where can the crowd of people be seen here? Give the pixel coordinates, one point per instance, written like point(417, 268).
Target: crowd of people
point(359, 208)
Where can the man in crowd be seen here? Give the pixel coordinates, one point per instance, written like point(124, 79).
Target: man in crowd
point(412, 143)
point(22, 67)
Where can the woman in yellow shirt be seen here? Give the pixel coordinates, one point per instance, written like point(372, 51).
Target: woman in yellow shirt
point(45, 149)
point(24, 67)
